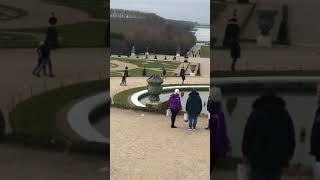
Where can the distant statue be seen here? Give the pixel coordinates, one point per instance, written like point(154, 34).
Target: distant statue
point(283, 30)
point(133, 51)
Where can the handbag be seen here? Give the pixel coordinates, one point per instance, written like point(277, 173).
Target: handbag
point(185, 117)
point(169, 113)
point(316, 170)
point(243, 171)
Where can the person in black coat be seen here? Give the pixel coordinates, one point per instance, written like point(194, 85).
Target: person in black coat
point(193, 108)
point(234, 53)
point(315, 136)
point(269, 138)
point(232, 32)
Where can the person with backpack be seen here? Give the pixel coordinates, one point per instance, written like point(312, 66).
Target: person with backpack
point(174, 104)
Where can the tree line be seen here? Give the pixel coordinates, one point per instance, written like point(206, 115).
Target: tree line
point(148, 32)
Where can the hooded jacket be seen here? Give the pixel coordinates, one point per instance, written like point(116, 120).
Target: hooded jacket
point(194, 104)
point(219, 141)
point(315, 135)
point(269, 138)
point(174, 102)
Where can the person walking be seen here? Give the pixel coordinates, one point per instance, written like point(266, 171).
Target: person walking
point(164, 72)
point(38, 50)
point(126, 72)
point(315, 136)
point(46, 60)
point(183, 75)
point(235, 51)
point(174, 104)
point(52, 33)
point(123, 80)
point(193, 108)
point(219, 141)
point(269, 139)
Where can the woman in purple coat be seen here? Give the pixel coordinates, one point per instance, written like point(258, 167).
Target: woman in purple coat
point(174, 104)
point(219, 141)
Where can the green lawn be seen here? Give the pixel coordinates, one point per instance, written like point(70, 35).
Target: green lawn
point(96, 8)
point(205, 51)
point(264, 73)
point(152, 67)
point(84, 34)
point(34, 118)
point(17, 40)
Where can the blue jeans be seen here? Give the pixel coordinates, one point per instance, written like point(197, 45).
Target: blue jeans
point(192, 121)
point(265, 175)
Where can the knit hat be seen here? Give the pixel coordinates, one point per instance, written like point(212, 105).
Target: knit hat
point(215, 94)
point(176, 91)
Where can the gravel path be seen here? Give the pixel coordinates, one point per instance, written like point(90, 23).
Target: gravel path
point(145, 147)
point(20, 162)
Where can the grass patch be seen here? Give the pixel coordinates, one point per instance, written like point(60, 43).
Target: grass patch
point(96, 8)
point(205, 51)
point(17, 40)
point(84, 34)
point(264, 73)
point(152, 67)
point(151, 63)
point(34, 118)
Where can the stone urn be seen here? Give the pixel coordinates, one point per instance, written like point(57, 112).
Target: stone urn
point(265, 24)
point(193, 67)
point(265, 20)
point(154, 88)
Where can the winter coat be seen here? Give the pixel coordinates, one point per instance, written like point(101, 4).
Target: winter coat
point(269, 138)
point(232, 33)
point(315, 135)
point(219, 141)
point(194, 104)
point(235, 50)
point(174, 102)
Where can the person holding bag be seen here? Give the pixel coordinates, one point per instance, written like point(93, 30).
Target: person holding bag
point(174, 104)
point(219, 141)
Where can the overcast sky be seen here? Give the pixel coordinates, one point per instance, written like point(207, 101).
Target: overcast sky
point(189, 10)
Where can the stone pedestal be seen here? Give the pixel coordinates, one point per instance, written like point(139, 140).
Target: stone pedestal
point(192, 74)
point(133, 54)
point(178, 55)
point(264, 41)
point(153, 105)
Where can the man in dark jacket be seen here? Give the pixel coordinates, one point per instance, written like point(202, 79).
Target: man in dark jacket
point(193, 108)
point(315, 136)
point(269, 139)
